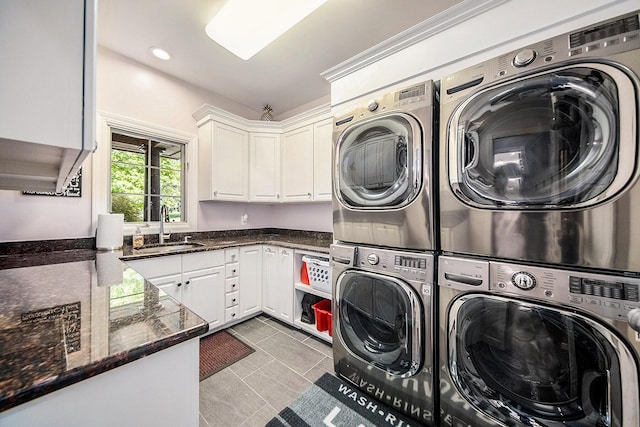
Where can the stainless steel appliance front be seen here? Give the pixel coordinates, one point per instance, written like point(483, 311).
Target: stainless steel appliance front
point(382, 174)
point(524, 345)
point(540, 152)
point(383, 319)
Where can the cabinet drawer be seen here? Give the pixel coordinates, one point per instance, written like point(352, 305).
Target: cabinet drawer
point(232, 284)
point(232, 269)
point(231, 255)
point(231, 314)
point(202, 260)
point(231, 299)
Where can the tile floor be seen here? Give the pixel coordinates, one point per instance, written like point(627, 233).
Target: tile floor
point(253, 390)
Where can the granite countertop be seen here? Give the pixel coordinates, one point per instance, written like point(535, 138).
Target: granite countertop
point(61, 322)
point(59, 326)
point(316, 242)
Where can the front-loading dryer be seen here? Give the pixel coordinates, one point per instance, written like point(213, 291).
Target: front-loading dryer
point(540, 153)
point(524, 345)
point(382, 326)
point(382, 171)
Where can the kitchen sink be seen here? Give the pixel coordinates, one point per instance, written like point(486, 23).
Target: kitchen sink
point(166, 247)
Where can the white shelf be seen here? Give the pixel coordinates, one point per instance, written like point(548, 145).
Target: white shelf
point(309, 290)
point(312, 329)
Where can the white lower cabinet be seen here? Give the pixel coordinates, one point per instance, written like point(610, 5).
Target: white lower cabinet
point(227, 286)
point(197, 280)
point(277, 295)
point(202, 292)
point(250, 281)
point(232, 284)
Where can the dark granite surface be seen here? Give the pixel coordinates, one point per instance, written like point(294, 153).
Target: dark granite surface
point(65, 317)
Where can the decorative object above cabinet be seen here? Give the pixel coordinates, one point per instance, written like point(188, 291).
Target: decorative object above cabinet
point(268, 162)
point(47, 82)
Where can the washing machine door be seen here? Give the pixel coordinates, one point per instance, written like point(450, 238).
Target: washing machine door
point(540, 365)
point(562, 138)
point(378, 162)
point(380, 321)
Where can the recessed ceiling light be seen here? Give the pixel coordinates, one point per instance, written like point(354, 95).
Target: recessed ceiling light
point(160, 53)
point(244, 27)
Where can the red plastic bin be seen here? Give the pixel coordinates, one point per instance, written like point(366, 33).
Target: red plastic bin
point(322, 310)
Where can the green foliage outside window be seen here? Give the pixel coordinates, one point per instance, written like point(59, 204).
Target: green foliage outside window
point(146, 174)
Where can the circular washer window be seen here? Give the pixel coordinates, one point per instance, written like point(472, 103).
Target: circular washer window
point(379, 162)
point(376, 320)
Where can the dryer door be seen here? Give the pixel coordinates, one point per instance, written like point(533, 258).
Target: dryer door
point(516, 360)
point(562, 138)
point(379, 319)
point(378, 162)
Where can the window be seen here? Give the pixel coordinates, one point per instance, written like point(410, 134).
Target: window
point(135, 149)
point(147, 173)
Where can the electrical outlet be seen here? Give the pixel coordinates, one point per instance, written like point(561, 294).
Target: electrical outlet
point(243, 219)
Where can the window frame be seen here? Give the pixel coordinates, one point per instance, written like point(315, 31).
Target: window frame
point(101, 165)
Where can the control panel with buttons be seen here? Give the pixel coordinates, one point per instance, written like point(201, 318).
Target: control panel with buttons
point(609, 296)
point(408, 265)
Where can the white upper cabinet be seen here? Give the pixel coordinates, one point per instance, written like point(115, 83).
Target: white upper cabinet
point(268, 162)
point(264, 167)
point(223, 156)
point(297, 165)
point(322, 143)
point(47, 91)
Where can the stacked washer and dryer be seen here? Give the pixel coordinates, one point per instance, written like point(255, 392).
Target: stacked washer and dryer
point(539, 307)
point(533, 315)
point(383, 263)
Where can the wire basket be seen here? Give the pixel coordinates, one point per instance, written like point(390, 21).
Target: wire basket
point(319, 273)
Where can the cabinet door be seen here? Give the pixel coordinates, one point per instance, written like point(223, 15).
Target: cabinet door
point(264, 167)
point(270, 271)
point(250, 280)
point(297, 165)
point(47, 76)
point(322, 144)
point(203, 293)
point(170, 285)
point(285, 285)
point(223, 162)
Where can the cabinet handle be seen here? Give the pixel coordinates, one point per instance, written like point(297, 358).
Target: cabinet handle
point(233, 315)
point(233, 300)
point(179, 284)
point(309, 194)
point(234, 285)
point(187, 282)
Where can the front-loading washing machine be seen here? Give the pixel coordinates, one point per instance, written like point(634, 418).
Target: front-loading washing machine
point(524, 345)
point(383, 171)
point(540, 153)
point(382, 325)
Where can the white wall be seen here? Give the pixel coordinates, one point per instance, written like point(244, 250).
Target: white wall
point(225, 216)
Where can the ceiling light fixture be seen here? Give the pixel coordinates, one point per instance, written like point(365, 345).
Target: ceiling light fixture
point(160, 53)
point(244, 27)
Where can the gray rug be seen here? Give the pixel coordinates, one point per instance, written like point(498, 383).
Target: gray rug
point(333, 402)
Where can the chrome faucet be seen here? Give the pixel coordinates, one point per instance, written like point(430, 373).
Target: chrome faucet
point(164, 213)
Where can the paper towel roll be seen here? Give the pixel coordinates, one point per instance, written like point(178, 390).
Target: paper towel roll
point(109, 231)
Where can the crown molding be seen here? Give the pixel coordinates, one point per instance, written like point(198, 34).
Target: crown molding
point(420, 32)
point(209, 112)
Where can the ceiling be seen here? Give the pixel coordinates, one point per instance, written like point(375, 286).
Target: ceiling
point(286, 74)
